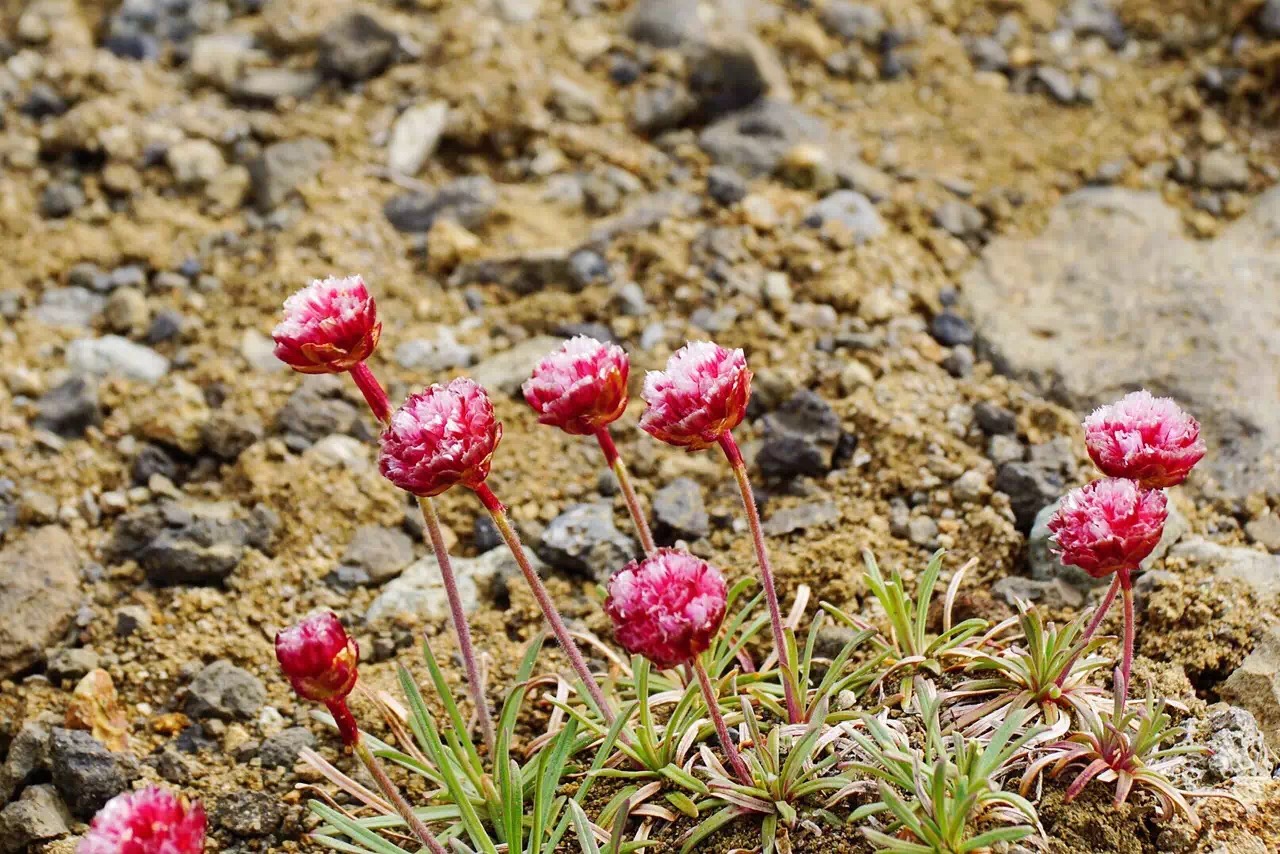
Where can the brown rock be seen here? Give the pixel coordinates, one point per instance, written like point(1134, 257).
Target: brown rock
point(39, 592)
point(1255, 685)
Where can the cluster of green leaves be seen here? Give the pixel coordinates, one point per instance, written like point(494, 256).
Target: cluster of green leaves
point(919, 767)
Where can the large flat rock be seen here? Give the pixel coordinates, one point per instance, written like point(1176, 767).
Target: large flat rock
point(1113, 296)
point(39, 593)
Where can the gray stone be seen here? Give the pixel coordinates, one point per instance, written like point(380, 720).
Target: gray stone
point(69, 408)
point(678, 512)
point(951, 330)
point(665, 23)
point(800, 438)
point(1053, 593)
point(60, 199)
point(988, 54)
point(1238, 749)
point(467, 201)
point(38, 816)
point(1255, 685)
point(318, 409)
point(1003, 449)
point(1095, 18)
point(228, 434)
point(1265, 531)
point(1029, 488)
point(378, 553)
point(959, 219)
point(584, 540)
point(222, 690)
point(28, 752)
point(1259, 570)
point(1269, 18)
point(73, 307)
point(39, 594)
point(418, 595)
point(415, 135)
point(505, 372)
point(281, 750)
point(441, 354)
point(960, 362)
point(1047, 311)
point(356, 47)
point(195, 162)
point(177, 545)
point(71, 664)
point(1220, 169)
point(994, 419)
point(729, 74)
point(811, 514)
point(131, 619)
point(249, 814)
point(922, 530)
point(1057, 83)
point(725, 185)
point(1046, 566)
point(113, 356)
point(282, 166)
point(970, 486)
point(661, 108)
point(853, 21)
point(86, 774)
point(755, 139)
point(852, 210)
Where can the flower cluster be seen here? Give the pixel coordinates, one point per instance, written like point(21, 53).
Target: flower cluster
point(581, 388)
point(328, 327)
point(441, 437)
point(699, 398)
point(148, 821)
point(667, 607)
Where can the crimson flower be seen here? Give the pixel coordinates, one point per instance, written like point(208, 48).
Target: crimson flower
point(1149, 439)
point(441, 437)
point(329, 327)
point(699, 398)
point(667, 607)
point(148, 821)
point(1109, 525)
point(580, 388)
point(319, 658)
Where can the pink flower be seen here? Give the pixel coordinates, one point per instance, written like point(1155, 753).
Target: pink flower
point(329, 327)
point(319, 658)
point(1146, 438)
point(580, 388)
point(1109, 525)
point(700, 397)
point(149, 821)
point(667, 607)
point(441, 437)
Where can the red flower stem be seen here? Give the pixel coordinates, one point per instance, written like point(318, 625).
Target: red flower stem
point(614, 459)
point(426, 837)
point(1103, 607)
point(458, 616)
point(499, 515)
point(346, 722)
point(1126, 662)
point(373, 392)
point(739, 467)
point(376, 397)
point(722, 731)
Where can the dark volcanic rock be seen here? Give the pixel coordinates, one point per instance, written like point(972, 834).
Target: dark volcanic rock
point(222, 690)
point(678, 512)
point(584, 540)
point(800, 438)
point(174, 545)
point(86, 774)
point(356, 48)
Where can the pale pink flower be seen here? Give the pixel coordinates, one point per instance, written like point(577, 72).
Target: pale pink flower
point(580, 388)
point(700, 397)
point(1109, 525)
point(148, 821)
point(1149, 439)
point(667, 607)
point(329, 327)
point(441, 437)
point(318, 657)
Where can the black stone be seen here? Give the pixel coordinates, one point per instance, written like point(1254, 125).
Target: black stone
point(69, 408)
point(86, 774)
point(951, 330)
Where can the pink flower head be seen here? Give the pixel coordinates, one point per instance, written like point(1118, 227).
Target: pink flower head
point(666, 607)
point(440, 437)
point(1109, 525)
point(148, 821)
point(700, 397)
point(1149, 439)
point(581, 387)
point(319, 658)
point(329, 327)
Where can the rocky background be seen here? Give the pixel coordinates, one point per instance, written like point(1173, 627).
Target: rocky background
point(942, 230)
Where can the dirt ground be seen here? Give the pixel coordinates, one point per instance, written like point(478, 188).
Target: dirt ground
point(938, 130)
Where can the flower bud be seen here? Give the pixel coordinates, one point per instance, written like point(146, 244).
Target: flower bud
point(667, 607)
point(329, 327)
point(580, 388)
point(319, 658)
point(1145, 438)
point(441, 437)
point(1109, 525)
point(699, 398)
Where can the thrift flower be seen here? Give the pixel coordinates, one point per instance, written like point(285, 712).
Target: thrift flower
point(441, 437)
point(148, 821)
point(699, 398)
point(329, 327)
point(319, 658)
point(667, 607)
point(580, 388)
point(1108, 526)
point(1146, 438)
